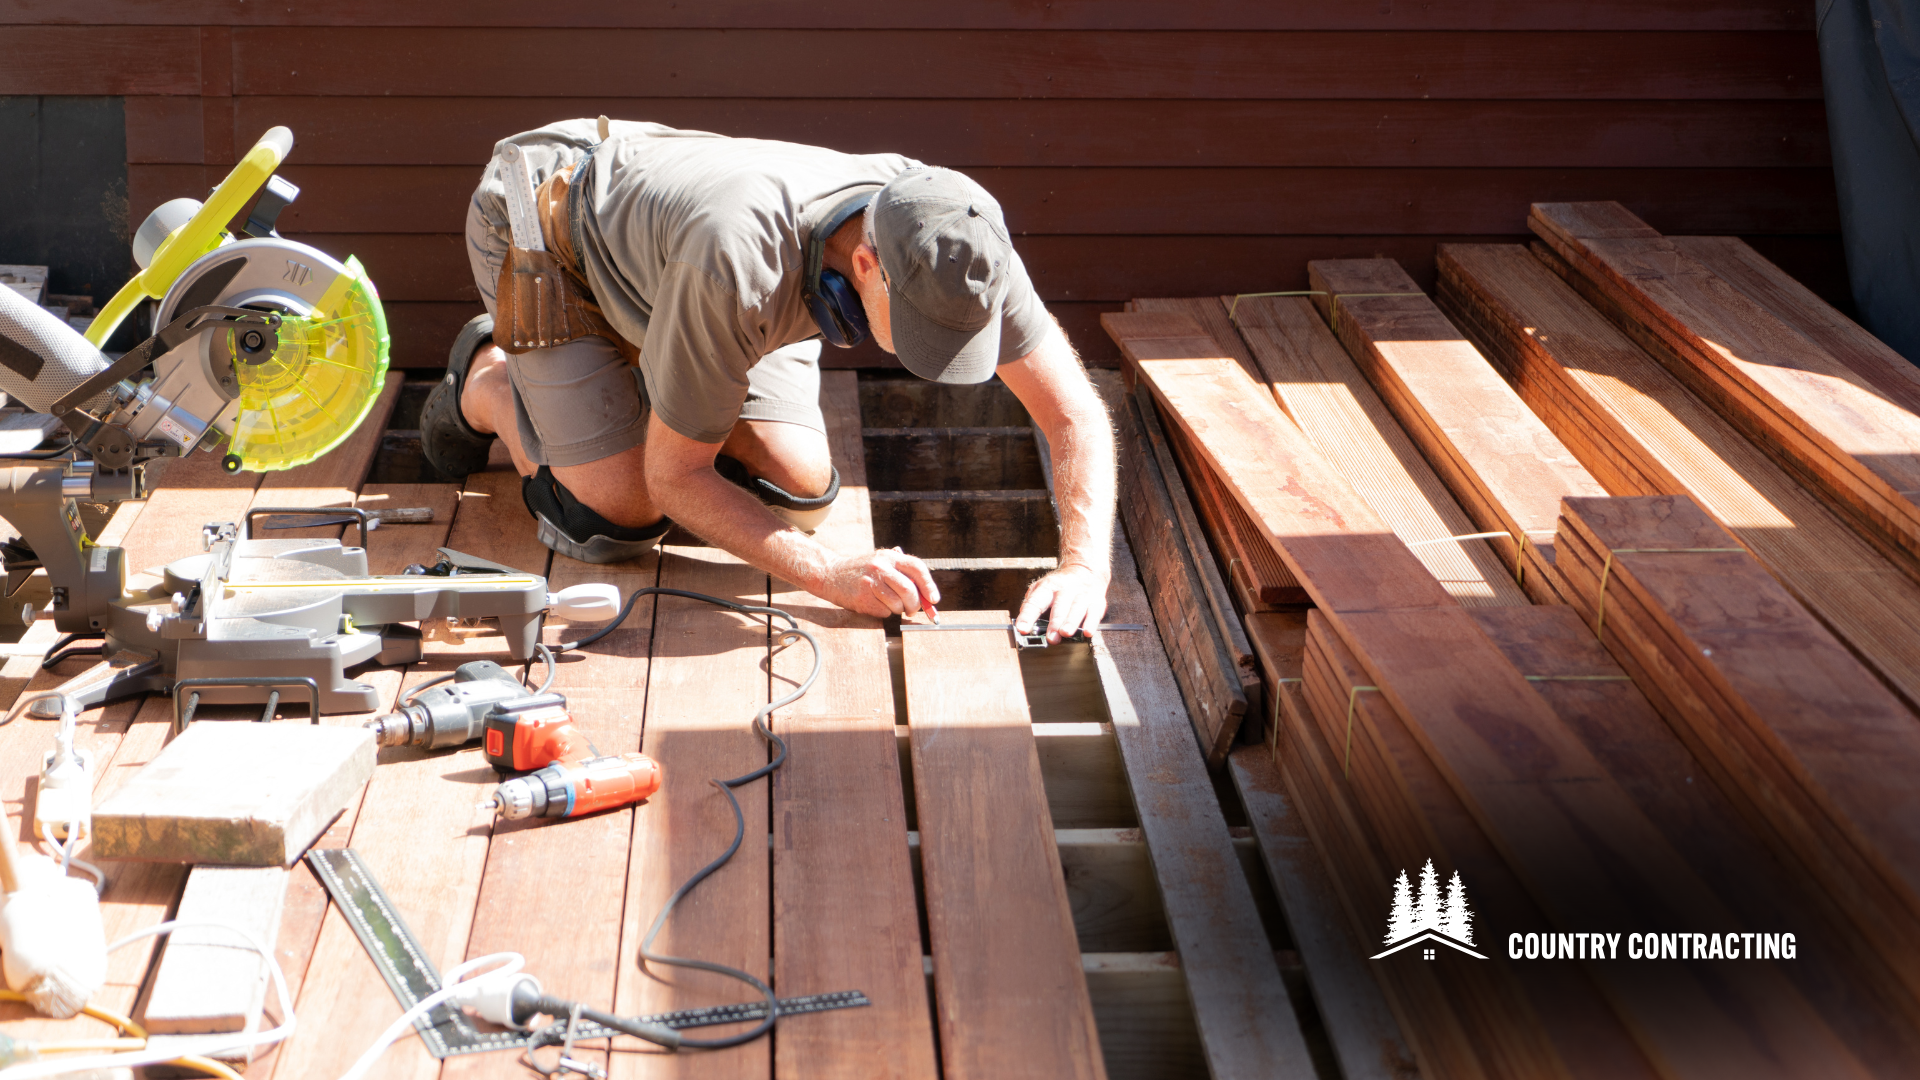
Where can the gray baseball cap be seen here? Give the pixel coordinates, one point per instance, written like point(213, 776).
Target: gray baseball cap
point(944, 246)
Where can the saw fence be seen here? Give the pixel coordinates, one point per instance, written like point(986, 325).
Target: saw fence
point(1607, 562)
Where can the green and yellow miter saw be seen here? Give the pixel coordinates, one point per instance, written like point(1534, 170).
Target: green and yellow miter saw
point(270, 353)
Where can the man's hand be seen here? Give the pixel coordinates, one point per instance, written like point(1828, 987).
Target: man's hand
point(1077, 595)
point(880, 583)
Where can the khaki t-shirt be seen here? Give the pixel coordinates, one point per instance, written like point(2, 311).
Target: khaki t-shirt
point(694, 245)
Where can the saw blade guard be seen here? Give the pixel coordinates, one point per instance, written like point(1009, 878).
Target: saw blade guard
point(328, 369)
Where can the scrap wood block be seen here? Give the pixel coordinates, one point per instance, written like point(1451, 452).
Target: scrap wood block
point(1010, 990)
point(208, 980)
point(1208, 676)
point(1507, 468)
point(1543, 800)
point(1326, 394)
point(1821, 754)
point(1816, 415)
point(1638, 425)
point(235, 793)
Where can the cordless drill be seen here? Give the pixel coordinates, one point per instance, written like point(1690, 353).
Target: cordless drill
point(521, 731)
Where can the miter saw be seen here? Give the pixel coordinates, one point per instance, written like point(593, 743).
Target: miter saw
point(271, 353)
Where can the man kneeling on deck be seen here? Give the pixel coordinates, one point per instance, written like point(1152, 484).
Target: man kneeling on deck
point(669, 371)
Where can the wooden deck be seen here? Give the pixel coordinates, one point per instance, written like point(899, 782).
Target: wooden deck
point(1079, 905)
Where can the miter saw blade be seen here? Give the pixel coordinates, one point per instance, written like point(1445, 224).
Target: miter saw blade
point(317, 386)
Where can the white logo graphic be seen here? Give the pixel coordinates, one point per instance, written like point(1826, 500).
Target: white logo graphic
point(1427, 918)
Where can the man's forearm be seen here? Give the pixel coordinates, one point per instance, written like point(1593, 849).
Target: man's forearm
point(736, 522)
point(1081, 442)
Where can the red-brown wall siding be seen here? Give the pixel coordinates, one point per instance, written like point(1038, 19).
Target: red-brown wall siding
point(1138, 147)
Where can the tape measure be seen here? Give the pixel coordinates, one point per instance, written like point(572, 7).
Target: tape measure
point(448, 1031)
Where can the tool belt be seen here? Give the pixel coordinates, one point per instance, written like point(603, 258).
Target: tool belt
point(541, 298)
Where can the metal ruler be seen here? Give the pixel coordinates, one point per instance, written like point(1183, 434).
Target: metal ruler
point(521, 216)
point(446, 1030)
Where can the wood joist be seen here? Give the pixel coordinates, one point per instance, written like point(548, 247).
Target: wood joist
point(1545, 804)
point(1507, 469)
point(1635, 425)
point(1817, 753)
point(1800, 402)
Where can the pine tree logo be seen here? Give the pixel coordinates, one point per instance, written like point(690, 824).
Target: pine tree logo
point(1426, 917)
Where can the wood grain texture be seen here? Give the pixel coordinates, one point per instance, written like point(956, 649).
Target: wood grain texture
point(1010, 993)
point(1764, 673)
point(203, 982)
point(969, 134)
point(1326, 394)
point(1816, 415)
point(1844, 974)
point(1752, 15)
point(1247, 1026)
point(1507, 468)
point(1203, 665)
point(843, 895)
point(706, 679)
point(1646, 434)
point(1195, 200)
point(1526, 800)
point(1091, 64)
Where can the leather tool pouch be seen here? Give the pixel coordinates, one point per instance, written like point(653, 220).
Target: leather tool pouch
point(538, 305)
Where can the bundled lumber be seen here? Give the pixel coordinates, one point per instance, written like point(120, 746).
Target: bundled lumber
point(1643, 433)
point(1253, 568)
point(1505, 466)
point(1325, 393)
point(1203, 660)
point(1819, 751)
point(1813, 412)
point(1567, 831)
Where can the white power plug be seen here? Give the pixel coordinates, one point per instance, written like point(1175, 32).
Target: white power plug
point(588, 603)
point(490, 996)
point(64, 799)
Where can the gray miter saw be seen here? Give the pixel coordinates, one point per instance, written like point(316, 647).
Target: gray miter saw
point(275, 351)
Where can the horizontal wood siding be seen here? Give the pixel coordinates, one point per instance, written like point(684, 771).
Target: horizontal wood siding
point(1139, 148)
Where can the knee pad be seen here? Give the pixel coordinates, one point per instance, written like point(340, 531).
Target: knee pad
point(569, 527)
point(803, 514)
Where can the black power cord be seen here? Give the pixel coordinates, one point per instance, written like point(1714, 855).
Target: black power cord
point(788, 635)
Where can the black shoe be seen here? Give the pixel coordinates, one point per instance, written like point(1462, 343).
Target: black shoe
point(449, 443)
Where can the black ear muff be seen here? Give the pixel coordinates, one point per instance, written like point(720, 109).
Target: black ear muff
point(838, 311)
point(830, 297)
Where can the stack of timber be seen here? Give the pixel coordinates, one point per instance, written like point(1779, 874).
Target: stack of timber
point(1805, 403)
point(1417, 729)
point(1508, 470)
point(1819, 753)
point(1212, 660)
point(1642, 432)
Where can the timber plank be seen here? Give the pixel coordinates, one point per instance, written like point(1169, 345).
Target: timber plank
point(201, 982)
point(1508, 469)
point(1247, 1026)
point(705, 680)
point(843, 897)
point(1747, 15)
point(1089, 64)
point(1735, 261)
point(1612, 399)
point(1011, 995)
point(1442, 675)
point(967, 134)
point(1816, 415)
point(1208, 676)
point(1845, 974)
point(1778, 672)
point(1326, 394)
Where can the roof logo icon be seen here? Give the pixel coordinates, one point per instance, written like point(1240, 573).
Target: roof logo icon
point(1428, 918)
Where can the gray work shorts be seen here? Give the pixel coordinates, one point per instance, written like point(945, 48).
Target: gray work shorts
point(582, 401)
